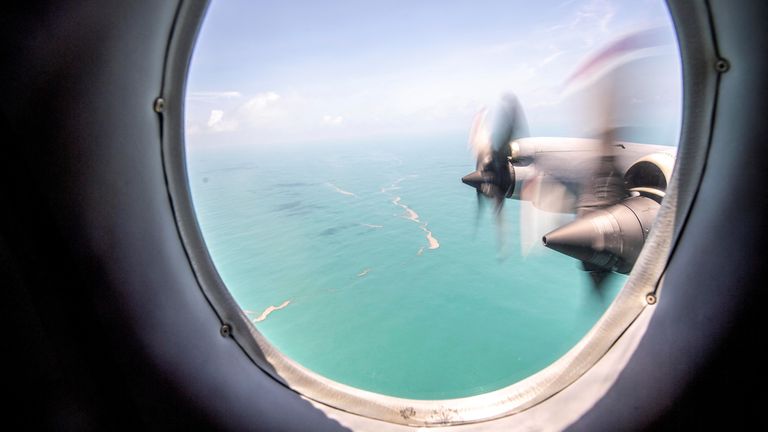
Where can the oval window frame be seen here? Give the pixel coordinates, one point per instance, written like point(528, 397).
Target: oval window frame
point(640, 292)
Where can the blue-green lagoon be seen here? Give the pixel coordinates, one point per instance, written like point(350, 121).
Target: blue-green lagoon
point(365, 262)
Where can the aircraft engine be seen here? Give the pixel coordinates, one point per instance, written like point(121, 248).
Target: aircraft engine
point(649, 175)
point(610, 238)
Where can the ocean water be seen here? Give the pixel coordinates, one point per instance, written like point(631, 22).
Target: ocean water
point(366, 263)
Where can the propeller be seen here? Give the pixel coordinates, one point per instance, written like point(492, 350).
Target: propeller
point(490, 136)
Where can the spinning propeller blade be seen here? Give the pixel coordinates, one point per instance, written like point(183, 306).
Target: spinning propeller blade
point(490, 137)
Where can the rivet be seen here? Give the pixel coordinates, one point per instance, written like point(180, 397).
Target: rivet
point(159, 105)
point(722, 65)
point(650, 299)
point(226, 330)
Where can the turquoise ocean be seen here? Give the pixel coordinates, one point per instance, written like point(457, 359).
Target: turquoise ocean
point(366, 263)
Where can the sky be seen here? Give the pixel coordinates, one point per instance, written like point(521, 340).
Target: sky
point(281, 72)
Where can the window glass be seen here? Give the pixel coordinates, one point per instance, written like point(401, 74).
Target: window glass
point(326, 142)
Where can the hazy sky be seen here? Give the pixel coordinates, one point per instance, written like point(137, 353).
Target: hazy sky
point(266, 73)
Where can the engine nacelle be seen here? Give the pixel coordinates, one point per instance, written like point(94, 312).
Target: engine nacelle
point(650, 175)
point(611, 238)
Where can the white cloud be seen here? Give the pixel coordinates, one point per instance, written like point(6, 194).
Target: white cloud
point(212, 96)
point(217, 122)
point(333, 120)
point(261, 101)
point(549, 59)
point(216, 116)
point(589, 24)
point(599, 12)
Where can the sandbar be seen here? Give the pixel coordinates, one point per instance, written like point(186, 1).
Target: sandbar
point(433, 243)
point(269, 310)
point(410, 214)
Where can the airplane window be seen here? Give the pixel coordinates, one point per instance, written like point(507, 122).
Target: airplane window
point(429, 200)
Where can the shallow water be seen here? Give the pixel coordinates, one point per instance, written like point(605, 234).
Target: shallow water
point(365, 262)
